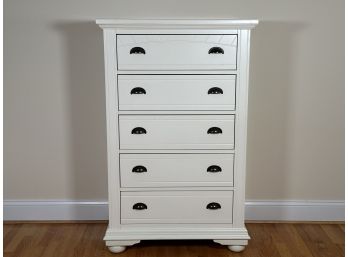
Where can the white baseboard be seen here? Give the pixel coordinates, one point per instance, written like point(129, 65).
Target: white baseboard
point(55, 210)
point(254, 210)
point(295, 210)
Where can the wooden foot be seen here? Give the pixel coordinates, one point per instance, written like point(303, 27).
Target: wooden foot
point(236, 248)
point(117, 249)
point(118, 246)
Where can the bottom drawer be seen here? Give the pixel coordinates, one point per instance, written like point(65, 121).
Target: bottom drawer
point(176, 207)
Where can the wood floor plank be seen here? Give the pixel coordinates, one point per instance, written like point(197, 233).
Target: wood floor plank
point(317, 241)
point(265, 241)
point(23, 246)
point(75, 239)
point(9, 235)
point(297, 246)
point(65, 237)
point(280, 240)
point(33, 248)
point(252, 247)
point(335, 234)
point(86, 240)
point(342, 227)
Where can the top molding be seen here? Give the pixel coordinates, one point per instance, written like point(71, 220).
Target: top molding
point(177, 24)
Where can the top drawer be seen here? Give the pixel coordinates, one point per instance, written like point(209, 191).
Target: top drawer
point(177, 52)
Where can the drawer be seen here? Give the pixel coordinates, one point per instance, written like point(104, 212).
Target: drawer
point(177, 207)
point(176, 92)
point(165, 170)
point(176, 131)
point(177, 52)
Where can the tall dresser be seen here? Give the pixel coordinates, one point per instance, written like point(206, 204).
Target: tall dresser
point(176, 109)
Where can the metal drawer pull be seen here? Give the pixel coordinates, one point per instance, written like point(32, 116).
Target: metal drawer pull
point(138, 91)
point(139, 169)
point(137, 50)
point(139, 206)
point(214, 130)
point(215, 91)
point(213, 206)
point(216, 50)
point(214, 168)
point(138, 131)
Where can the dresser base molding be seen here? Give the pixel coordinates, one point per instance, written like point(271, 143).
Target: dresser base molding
point(235, 238)
point(172, 234)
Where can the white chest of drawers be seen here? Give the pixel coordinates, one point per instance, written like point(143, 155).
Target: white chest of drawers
point(176, 106)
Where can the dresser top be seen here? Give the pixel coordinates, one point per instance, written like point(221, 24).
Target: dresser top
point(178, 23)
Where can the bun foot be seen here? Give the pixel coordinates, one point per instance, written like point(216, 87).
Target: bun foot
point(117, 249)
point(236, 248)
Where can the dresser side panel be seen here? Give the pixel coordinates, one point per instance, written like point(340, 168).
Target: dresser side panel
point(241, 128)
point(112, 127)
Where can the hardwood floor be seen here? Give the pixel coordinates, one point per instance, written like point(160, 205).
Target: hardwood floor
point(84, 240)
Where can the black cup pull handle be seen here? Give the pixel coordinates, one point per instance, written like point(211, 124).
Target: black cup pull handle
point(214, 169)
point(138, 131)
point(138, 91)
point(214, 130)
point(139, 169)
point(216, 50)
point(215, 91)
point(140, 206)
point(137, 50)
point(213, 206)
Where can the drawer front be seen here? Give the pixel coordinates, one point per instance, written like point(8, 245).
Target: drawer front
point(177, 52)
point(176, 92)
point(177, 207)
point(164, 170)
point(176, 131)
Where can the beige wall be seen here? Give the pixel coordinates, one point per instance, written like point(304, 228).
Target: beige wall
point(54, 132)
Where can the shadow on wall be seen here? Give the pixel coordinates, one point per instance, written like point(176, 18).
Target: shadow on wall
point(270, 104)
point(83, 42)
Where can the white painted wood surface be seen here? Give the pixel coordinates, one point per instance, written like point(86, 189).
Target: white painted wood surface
point(177, 52)
point(241, 127)
point(155, 25)
point(112, 126)
point(176, 124)
point(177, 170)
point(177, 207)
point(176, 131)
point(177, 92)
